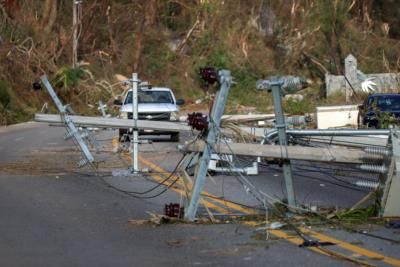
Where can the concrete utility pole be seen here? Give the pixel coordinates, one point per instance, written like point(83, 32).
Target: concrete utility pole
point(352, 83)
point(225, 80)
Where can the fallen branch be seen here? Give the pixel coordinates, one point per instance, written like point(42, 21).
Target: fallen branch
point(316, 62)
point(189, 33)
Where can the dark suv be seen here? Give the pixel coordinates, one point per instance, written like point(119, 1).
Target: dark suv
point(379, 110)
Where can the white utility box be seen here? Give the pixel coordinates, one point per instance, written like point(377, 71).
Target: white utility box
point(337, 116)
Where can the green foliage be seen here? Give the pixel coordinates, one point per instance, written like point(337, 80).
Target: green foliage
point(298, 107)
point(385, 119)
point(171, 10)
point(68, 77)
point(357, 215)
point(243, 92)
point(219, 58)
point(306, 39)
point(331, 16)
point(5, 97)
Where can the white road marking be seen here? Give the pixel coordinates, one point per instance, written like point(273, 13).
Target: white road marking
point(19, 138)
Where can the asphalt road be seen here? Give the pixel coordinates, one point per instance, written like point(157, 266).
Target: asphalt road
point(52, 214)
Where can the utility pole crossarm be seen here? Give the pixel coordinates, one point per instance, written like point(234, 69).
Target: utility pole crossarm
point(340, 155)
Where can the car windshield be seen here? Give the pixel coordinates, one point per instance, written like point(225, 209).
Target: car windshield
point(385, 102)
point(151, 96)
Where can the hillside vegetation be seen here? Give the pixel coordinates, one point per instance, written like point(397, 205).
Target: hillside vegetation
point(166, 42)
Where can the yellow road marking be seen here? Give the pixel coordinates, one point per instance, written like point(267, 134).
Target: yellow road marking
point(294, 239)
point(160, 179)
point(281, 234)
point(180, 191)
point(359, 250)
point(206, 194)
point(297, 240)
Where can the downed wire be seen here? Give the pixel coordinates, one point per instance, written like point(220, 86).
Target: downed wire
point(134, 193)
point(283, 215)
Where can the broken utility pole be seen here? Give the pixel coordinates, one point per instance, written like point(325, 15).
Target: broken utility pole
point(225, 79)
point(65, 118)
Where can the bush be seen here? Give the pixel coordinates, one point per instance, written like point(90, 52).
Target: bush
point(68, 77)
point(5, 97)
point(298, 107)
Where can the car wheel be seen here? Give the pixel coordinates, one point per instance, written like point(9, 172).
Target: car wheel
point(175, 137)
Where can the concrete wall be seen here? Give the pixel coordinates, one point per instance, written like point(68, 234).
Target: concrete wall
point(385, 82)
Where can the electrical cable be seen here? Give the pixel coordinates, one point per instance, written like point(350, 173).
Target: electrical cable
point(320, 140)
point(135, 194)
point(332, 175)
point(341, 225)
point(140, 197)
point(158, 184)
point(338, 223)
point(327, 174)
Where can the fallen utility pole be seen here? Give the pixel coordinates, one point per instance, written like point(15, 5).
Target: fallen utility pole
point(99, 122)
point(225, 79)
point(66, 119)
point(340, 155)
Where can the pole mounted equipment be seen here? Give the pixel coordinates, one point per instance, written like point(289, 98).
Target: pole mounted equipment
point(198, 121)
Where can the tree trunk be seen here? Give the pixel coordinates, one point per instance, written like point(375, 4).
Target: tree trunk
point(12, 7)
point(49, 15)
point(149, 16)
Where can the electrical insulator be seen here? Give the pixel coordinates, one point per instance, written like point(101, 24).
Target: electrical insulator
point(174, 210)
point(288, 84)
point(197, 121)
point(373, 168)
point(367, 184)
point(209, 75)
point(374, 150)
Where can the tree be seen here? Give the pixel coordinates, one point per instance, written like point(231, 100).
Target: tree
point(149, 11)
point(49, 16)
point(332, 17)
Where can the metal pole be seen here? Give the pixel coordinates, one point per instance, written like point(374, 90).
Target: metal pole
point(71, 128)
point(213, 131)
point(75, 4)
point(281, 127)
point(135, 139)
